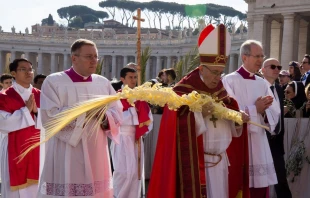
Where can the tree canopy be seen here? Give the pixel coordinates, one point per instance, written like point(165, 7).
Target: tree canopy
point(155, 12)
point(174, 12)
point(48, 21)
point(79, 15)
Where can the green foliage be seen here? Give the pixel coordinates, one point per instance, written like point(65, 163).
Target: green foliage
point(189, 62)
point(212, 11)
point(74, 12)
point(50, 20)
point(99, 66)
point(146, 54)
point(77, 22)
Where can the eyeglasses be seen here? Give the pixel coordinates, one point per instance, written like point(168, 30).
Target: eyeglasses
point(257, 56)
point(214, 72)
point(287, 92)
point(275, 66)
point(24, 70)
point(303, 62)
point(88, 57)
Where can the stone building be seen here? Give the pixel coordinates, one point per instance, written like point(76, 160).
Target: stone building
point(282, 26)
point(48, 48)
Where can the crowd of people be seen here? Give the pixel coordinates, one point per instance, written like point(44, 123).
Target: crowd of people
point(197, 154)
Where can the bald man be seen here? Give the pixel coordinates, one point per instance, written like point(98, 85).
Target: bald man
point(271, 70)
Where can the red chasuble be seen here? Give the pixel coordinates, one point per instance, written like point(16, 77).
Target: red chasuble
point(143, 110)
point(26, 172)
point(178, 169)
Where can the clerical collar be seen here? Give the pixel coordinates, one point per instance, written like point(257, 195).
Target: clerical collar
point(245, 73)
point(76, 77)
point(22, 91)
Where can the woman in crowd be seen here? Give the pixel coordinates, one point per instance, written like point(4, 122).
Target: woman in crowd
point(306, 105)
point(294, 71)
point(294, 99)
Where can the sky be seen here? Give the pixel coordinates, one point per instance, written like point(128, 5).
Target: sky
point(25, 13)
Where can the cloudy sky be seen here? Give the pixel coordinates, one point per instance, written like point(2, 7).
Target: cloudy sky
point(22, 13)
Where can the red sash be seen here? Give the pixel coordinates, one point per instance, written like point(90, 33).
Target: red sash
point(143, 110)
point(26, 172)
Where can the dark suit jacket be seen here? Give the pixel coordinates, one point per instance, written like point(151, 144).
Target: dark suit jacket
point(117, 85)
point(276, 141)
point(307, 80)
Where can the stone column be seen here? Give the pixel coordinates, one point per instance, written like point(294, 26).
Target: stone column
point(303, 32)
point(268, 37)
point(27, 56)
point(250, 27)
point(259, 32)
point(287, 42)
point(275, 40)
point(296, 37)
point(239, 61)
point(53, 66)
point(65, 63)
point(158, 66)
point(113, 66)
point(168, 62)
point(40, 63)
point(2, 66)
point(125, 60)
point(13, 56)
point(147, 70)
point(232, 65)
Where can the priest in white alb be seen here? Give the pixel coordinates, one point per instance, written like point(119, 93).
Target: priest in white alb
point(255, 97)
point(77, 161)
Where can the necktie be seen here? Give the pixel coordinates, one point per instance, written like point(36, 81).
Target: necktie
point(272, 89)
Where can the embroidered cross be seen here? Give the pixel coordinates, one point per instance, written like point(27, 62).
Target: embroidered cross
point(213, 119)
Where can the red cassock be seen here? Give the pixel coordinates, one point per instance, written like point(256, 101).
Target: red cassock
point(143, 110)
point(178, 169)
point(26, 172)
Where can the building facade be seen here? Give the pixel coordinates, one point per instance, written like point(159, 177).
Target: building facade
point(282, 26)
point(50, 51)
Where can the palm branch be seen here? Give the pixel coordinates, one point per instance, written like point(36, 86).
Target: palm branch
point(146, 54)
point(189, 62)
point(99, 66)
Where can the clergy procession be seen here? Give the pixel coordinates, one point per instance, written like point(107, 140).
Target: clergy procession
point(76, 134)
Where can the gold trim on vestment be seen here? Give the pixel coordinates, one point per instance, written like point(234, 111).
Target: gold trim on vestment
point(146, 123)
point(191, 153)
point(179, 159)
point(213, 163)
point(22, 186)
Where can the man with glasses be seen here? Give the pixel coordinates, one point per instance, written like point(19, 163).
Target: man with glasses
point(255, 97)
point(77, 159)
point(305, 64)
point(191, 158)
point(19, 123)
point(271, 70)
point(6, 81)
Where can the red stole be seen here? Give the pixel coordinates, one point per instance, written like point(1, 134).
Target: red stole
point(178, 169)
point(26, 172)
point(143, 110)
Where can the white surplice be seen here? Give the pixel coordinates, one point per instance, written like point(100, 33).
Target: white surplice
point(125, 157)
point(77, 159)
point(215, 141)
point(246, 92)
point(12, 122)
